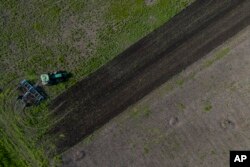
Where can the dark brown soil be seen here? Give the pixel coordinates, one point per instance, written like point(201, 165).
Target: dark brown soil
point(144, 66)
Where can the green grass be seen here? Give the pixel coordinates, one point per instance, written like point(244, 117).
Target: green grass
point(146, 149)
point(7, 157)
point(219, 55)
point(78, 36)
point(140, 112)
point(208, 107)
point(181, 106)
point(89, 139)
point(180, 82)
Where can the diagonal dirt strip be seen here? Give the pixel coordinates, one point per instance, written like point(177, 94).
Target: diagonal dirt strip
point(145, 66)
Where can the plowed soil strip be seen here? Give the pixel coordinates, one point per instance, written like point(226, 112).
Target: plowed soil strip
point(144, 66)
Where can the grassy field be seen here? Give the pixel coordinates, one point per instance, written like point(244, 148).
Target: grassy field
point(78, 36)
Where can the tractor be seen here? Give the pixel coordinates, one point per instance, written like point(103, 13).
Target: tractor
point(54, 78)
point(34, 94)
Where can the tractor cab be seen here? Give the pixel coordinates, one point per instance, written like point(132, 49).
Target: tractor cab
point(45, 79)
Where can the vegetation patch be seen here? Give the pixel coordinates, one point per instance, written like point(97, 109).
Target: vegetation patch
point(208, 107)
point(88, 140)
point(146, 149)
point(219, 55)
point(181, 106)
point(140, 112)
point(180, 82)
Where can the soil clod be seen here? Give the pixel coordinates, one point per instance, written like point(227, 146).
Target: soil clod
point(227, 124)
point(173, 121)
point(79, 155)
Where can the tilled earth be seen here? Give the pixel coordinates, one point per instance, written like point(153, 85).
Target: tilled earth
point(193, 120)
point(140, 69)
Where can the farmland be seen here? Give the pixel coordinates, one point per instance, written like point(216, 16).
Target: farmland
point(195, 123)
point(144, 66)
point(78, 36)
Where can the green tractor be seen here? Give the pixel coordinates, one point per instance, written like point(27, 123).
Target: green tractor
point(54, 78)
